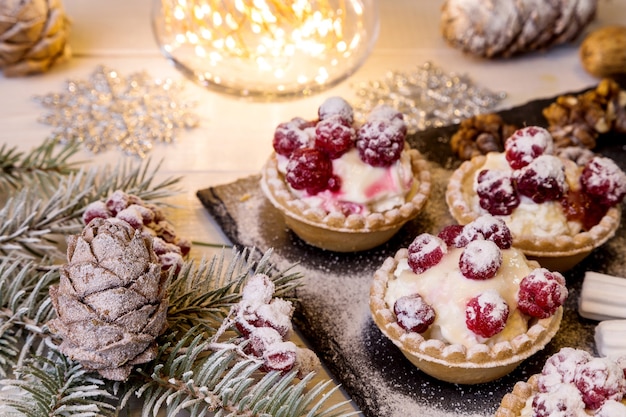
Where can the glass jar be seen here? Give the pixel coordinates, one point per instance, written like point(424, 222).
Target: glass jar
point(266, 49)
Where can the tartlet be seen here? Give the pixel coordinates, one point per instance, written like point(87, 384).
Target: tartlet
point(320, 216)
point(581, 231)
point(441, 347)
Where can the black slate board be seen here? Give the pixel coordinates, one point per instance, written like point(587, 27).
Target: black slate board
point(333, 312)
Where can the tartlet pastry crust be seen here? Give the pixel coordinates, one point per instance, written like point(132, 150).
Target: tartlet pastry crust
point(336, 232)
point(514, 402)
point(454, 362)
point(558, 253)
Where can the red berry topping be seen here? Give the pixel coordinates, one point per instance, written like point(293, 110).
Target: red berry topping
point(450, 234)
point(96, 210)
point(486, 314)
point(334, 135)
point(486, 227)
point(309, 169)
point(541, 293)
point(527, 144)
point(611, 408)
point(599, 380)
point(425, 252)
point(564, 401)
point(560, 368)
point(496, 192)
point(604, 180)
point(380, 142)
point(413, 313)
point(336, 106)
point(291, 135)
point(542, 180)
point(480, 259)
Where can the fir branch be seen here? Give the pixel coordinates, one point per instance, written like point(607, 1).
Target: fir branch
point(44, 162)
point(55, 386)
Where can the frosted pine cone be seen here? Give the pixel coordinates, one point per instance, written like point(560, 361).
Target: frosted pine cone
point(33, 36)
point(111, 301)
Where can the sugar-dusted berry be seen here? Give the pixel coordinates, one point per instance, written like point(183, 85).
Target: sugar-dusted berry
point(480, 259)
point(486, 314)
point(385, 111)
point(560, 368)
point(611, 408)
point(291, 135)
point(97, 209)
point(336, 106)
point(541, 293)
point(260, 338)
point(309, 169)
point(117, 202)
point(542, 180)
point(564, 401)
point(527, 144)
point(413, 313)
point(280, 357)
point(380, 142)
point(599, 380)
point(496, 192)
point(450, 234)
point(335, 136)
point(604, 181)
point(487, 227)
point(425, 252)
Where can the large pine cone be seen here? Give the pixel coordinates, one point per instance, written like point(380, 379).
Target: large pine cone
point(33, 36)
point(111, 301)
point(503, 28)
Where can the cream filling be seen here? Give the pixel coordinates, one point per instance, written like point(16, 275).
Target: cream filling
point(529, 218)
point(445, 288)
point(364, 188)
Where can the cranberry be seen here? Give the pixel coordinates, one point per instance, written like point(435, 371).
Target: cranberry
point(604, 181)
point(541, 293)
point(496, 192)
point(260, 339)
point(132, 216)
point(95, 210)
point(527, 144)
point(487, 227)
point(450, 234)
point(598, 380)
point(565, 401)
point(280, 357)
point(486, 314)
point(290, 136)
point(413, 313)
point(380, 142)
point(117, 202)
point(277, 315)
point(309, 169)
point(542, 180)
point(336, 106)
point(259, 289)
point(480, 259)
point(334, 135)
point(560, 368)
point(425, 252)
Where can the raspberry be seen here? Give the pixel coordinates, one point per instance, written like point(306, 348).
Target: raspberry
point(309, 169)
point(541, 293)
point(334, 135)
point(413, 313)
point(380, 142)
point(95, 210)
point(486, 227)
point(336, 106)
point(486, 314)
point(425, 252)
point(480, 259)
point(604, 180)
point(611, 408)
point(565, 401)
point(527, 144)
point(291, 135)
point(497, 193)
point(542, 180)
point(599, 380)
point(560, 368)
point(384, 111)
point(450, 234)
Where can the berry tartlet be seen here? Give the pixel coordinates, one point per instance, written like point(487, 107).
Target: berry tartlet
point(559, 208)
point(464, 306)
point(571, 383)
point(345, 186)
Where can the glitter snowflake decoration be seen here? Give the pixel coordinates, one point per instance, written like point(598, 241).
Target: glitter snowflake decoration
point(427, 96)
point(109, 111)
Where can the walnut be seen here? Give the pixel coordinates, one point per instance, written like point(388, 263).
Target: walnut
point(481, 134)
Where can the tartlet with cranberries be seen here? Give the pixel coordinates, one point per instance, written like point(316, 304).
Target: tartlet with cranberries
point(345, 186)
point(571, 383)
point(559, 205)
point(465, 306)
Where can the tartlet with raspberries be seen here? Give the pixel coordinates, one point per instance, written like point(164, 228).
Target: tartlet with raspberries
point(465, 306)
point(342, 185)
point(560, 204)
